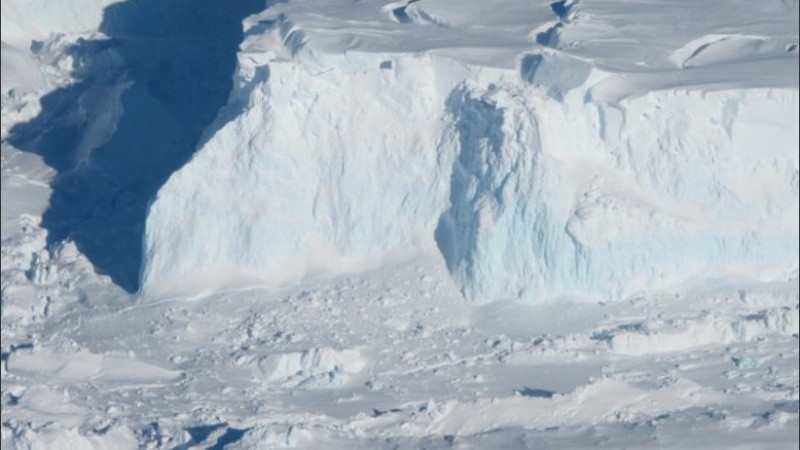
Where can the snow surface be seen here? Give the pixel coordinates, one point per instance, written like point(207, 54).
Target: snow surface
point(298, 224)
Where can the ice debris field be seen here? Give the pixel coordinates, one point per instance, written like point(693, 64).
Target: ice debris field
point(370, 224)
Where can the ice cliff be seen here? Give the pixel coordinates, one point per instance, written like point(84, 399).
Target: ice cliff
point(538, 171)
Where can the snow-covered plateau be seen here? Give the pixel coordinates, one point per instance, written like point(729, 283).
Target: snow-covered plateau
point(400, 224)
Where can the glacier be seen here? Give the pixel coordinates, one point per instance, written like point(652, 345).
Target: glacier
point(537, 175)
point(399, 223)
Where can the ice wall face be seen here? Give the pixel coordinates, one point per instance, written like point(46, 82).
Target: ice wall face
point(551, 199)
point(532, 185)
point(496, 234)
point(308, 175)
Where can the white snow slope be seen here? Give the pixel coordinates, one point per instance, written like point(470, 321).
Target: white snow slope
point(548, 155)
point(332, 202)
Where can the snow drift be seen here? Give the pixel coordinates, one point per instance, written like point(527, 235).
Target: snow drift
point(539, 174)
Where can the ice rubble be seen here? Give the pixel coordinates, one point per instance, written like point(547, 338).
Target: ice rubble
point(35, 20)
point(335, 150)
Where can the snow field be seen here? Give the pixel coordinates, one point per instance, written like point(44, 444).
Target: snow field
point(395, 368)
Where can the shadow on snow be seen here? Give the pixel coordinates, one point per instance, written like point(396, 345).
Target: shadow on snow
point(134, 116)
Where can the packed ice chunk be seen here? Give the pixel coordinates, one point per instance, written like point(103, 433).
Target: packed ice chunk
point(317, 367)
